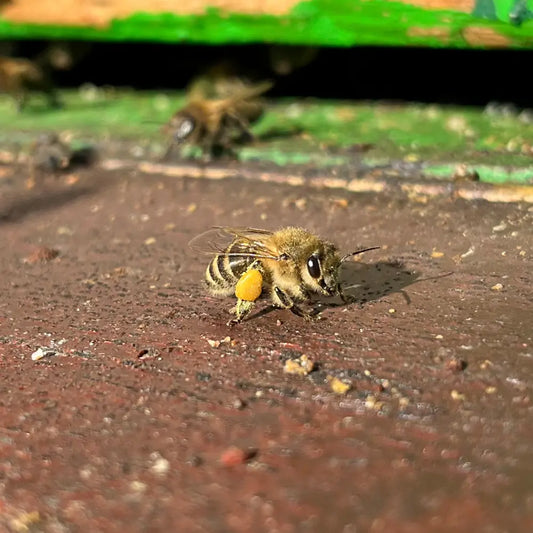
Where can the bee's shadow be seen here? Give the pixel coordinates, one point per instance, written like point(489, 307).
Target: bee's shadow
point(362, 283)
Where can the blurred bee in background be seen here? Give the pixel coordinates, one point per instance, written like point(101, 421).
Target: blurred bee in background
point(219, 111)
point(288, 266)
point(51, 156)
point(21, 76)
point(48, 155)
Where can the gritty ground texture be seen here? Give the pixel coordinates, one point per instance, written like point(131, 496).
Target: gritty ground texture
point(142, 411)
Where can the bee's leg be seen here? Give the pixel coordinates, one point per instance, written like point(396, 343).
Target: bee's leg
point(283, 300)
point(344, 297)
point(53, 98)
point(208, 144)
point(20, 101)
point(241, 310)
point(168, 152)
point(244, 127)
point(32, 179)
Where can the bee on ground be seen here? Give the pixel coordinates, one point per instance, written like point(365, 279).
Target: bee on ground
point(287, 266)
point(216, 122)
point(48, 155)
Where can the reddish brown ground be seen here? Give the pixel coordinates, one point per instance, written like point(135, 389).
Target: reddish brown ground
point(138, 424)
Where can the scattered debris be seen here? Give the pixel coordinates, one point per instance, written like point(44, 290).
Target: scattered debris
point(234, 456)
point(195, 460)
point(43, 352)
point(25, 521)
point(455, 364)
point(148, 353)
point(238, 404)
point(500, 227)
point(138, 486)
point(403, 402)
point(42, 254)
point(469, 252)
point(457, 396)
point(464, 173)
point(338, 386)
point(301, 366)
point(371, 402)
point(160, 465)
point(215, 343)
point(203, 376)
point(339, 202)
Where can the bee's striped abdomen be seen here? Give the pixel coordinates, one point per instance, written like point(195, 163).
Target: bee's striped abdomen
point(224, 271)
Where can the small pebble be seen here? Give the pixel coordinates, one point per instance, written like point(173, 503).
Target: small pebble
point(41, 255)
point(455, 364)
point(457, 396)
point(500, 227)
point(403, 401)
point(301, 366)
point(338, 386)
point(160, 465)
point(238, 404)
point(42, 352)
point(234, 456)
point(370, 401)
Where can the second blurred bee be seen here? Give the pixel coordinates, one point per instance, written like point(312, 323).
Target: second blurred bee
point(219, 111)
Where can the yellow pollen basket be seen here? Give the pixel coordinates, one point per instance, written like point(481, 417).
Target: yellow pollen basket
point(249, 286)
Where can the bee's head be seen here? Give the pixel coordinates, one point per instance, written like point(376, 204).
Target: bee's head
point(321, 270)
point(181, 127)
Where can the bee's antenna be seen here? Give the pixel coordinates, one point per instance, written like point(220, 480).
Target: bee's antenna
point(359, 252)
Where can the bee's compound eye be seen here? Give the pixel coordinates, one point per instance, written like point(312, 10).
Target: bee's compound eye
point(313, 267)
point(184, 129)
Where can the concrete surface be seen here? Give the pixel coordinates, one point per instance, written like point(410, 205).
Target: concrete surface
point(144, 412)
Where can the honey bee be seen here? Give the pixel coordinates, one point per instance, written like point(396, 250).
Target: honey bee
point(214, 123)
point(48, 155)
point(21, 76)
point(288, 266)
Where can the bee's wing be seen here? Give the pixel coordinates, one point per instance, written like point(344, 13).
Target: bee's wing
point(248, 242)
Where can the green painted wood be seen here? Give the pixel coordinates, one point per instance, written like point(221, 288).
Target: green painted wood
point(502, 23)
